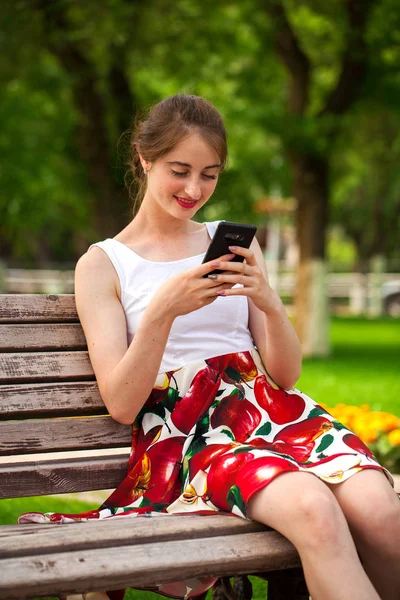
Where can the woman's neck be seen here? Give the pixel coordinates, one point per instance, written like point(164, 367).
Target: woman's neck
point(160, 224)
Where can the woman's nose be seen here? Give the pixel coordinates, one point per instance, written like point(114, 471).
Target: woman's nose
point(193, 189)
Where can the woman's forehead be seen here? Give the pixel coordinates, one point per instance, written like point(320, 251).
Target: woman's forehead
point(193, 151)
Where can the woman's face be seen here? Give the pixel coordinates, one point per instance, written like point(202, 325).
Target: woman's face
point(182, 180)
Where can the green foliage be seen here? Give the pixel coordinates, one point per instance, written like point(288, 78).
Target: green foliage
point(135, 53)
point(42, 188)
point(366, 188)
point(341, 250)
point(386, 454)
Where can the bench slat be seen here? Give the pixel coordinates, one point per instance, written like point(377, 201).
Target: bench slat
point(44, 336)
point(48, 435)
point(118, 532)
point(62, 476)
point(113, 568)
point(21, 401)
point(37, 308)
point(44, 366)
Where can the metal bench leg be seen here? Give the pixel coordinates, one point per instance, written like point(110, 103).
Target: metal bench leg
point(287, 585)
point(241, 589)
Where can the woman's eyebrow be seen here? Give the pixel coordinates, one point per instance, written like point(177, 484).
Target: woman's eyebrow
point(182, 164)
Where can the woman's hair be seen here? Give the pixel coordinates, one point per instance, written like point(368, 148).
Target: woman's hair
point(168, 123)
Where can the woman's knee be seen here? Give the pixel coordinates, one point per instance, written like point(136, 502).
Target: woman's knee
point(370, 506)
point(321, 517)
point(303, 509)
point(375, 519)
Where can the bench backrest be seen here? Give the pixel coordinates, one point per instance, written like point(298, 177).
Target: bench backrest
point(55, 433)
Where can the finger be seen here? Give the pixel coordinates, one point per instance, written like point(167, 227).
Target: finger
point(237, 267)
point(234, 291)
point(226, 286)
point(209, 266)
point(246, 252)
point(218, 290)
point(234, 279)
point(217, 285)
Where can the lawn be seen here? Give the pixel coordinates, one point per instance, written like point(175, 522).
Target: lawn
point(362, 369)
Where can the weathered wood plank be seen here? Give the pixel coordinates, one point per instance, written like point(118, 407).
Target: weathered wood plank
point(43, 336)
point(111, 568)
point(37, 308)
point(22, 367)
point(62, 476)
point(24, 540)
point(22, 401)
point(49, 435)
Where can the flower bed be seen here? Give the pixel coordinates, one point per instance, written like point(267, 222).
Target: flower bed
point(379, 430)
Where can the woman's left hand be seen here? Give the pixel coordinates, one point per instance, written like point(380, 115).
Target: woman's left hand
point(250, 276)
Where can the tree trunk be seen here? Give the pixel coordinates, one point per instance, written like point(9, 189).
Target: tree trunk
point(110, 205)
point(311, 300)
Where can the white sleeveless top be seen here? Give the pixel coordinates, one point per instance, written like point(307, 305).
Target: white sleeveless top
point(218, 328)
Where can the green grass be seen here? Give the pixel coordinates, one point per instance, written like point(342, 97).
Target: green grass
point(11, 509)
point(362, 369)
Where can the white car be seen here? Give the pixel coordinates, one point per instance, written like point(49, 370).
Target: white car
point(391, 298)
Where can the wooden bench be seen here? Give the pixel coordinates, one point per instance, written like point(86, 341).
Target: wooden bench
point(50, 403)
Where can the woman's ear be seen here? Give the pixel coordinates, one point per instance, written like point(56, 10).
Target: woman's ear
point(145, 163)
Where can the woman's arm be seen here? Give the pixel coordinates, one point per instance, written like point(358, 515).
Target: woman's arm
point(272, 331)
point(274, 334)
point(125, 375)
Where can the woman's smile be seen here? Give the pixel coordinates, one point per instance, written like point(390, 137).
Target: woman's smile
point(185, 202)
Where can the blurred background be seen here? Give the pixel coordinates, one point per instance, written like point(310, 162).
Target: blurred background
point(309, 91)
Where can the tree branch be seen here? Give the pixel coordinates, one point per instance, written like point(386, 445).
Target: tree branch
point(354, 61)
point(292, 56)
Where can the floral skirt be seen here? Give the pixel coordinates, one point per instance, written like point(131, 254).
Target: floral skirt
point(211, 435)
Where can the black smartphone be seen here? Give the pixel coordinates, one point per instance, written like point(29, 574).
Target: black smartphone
point(229, 234)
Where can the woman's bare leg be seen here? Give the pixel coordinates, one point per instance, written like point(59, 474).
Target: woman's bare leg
point(305, 511)
point(372, 510)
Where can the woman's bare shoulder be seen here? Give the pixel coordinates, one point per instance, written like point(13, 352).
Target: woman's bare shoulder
point(93, 258)
point(95, 270)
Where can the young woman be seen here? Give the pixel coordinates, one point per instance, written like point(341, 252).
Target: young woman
point(174, 353)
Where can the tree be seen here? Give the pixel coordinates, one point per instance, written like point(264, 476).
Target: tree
point(42, 215)
point(286, 120)
point(300, 118)
point(67, 97)
point(366, 194)
point(308, 144)
point(101, 91)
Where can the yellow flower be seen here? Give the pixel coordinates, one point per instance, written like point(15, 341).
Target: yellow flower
point(394, 437)
point(368, 424)
point(367, 435)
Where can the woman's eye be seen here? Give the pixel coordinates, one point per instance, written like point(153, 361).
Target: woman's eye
point(210, 176)
point(178, 173)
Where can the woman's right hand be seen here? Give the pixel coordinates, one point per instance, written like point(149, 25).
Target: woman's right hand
point(188, 291)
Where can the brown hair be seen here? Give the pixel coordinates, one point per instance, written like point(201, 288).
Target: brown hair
point(168, 123)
